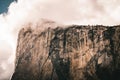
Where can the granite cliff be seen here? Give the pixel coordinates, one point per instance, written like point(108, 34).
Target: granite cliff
point(68, 53)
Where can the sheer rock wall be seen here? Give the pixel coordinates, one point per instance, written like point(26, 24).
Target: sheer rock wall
point(71, 53)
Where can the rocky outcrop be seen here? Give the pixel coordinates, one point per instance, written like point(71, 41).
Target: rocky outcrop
point(70, 53)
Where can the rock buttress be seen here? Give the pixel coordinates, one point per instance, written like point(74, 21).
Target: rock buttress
point(72, 53)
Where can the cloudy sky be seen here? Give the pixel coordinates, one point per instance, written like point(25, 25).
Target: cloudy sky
point(15, 14)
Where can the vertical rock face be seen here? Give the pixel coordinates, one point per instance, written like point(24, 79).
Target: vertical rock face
point(72, 53)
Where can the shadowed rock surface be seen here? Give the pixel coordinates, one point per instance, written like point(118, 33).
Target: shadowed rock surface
point(71, 53)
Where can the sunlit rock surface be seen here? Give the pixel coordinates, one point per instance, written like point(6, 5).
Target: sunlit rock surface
point(68, 53)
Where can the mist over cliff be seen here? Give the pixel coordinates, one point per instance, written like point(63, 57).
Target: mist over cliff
point(23, 12)
point(61, 52)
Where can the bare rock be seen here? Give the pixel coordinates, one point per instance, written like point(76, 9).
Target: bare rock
point(71, 53)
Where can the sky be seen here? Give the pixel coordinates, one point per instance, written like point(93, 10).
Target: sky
point(4, 4)
point(15, 14)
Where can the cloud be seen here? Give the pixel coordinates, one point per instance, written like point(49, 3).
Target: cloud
point(6, 60)
point(62, 11)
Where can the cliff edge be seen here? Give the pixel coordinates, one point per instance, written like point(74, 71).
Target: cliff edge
point(70, 53)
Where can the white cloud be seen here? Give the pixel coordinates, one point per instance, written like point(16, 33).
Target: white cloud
point(6, 52)
point(62, 11)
